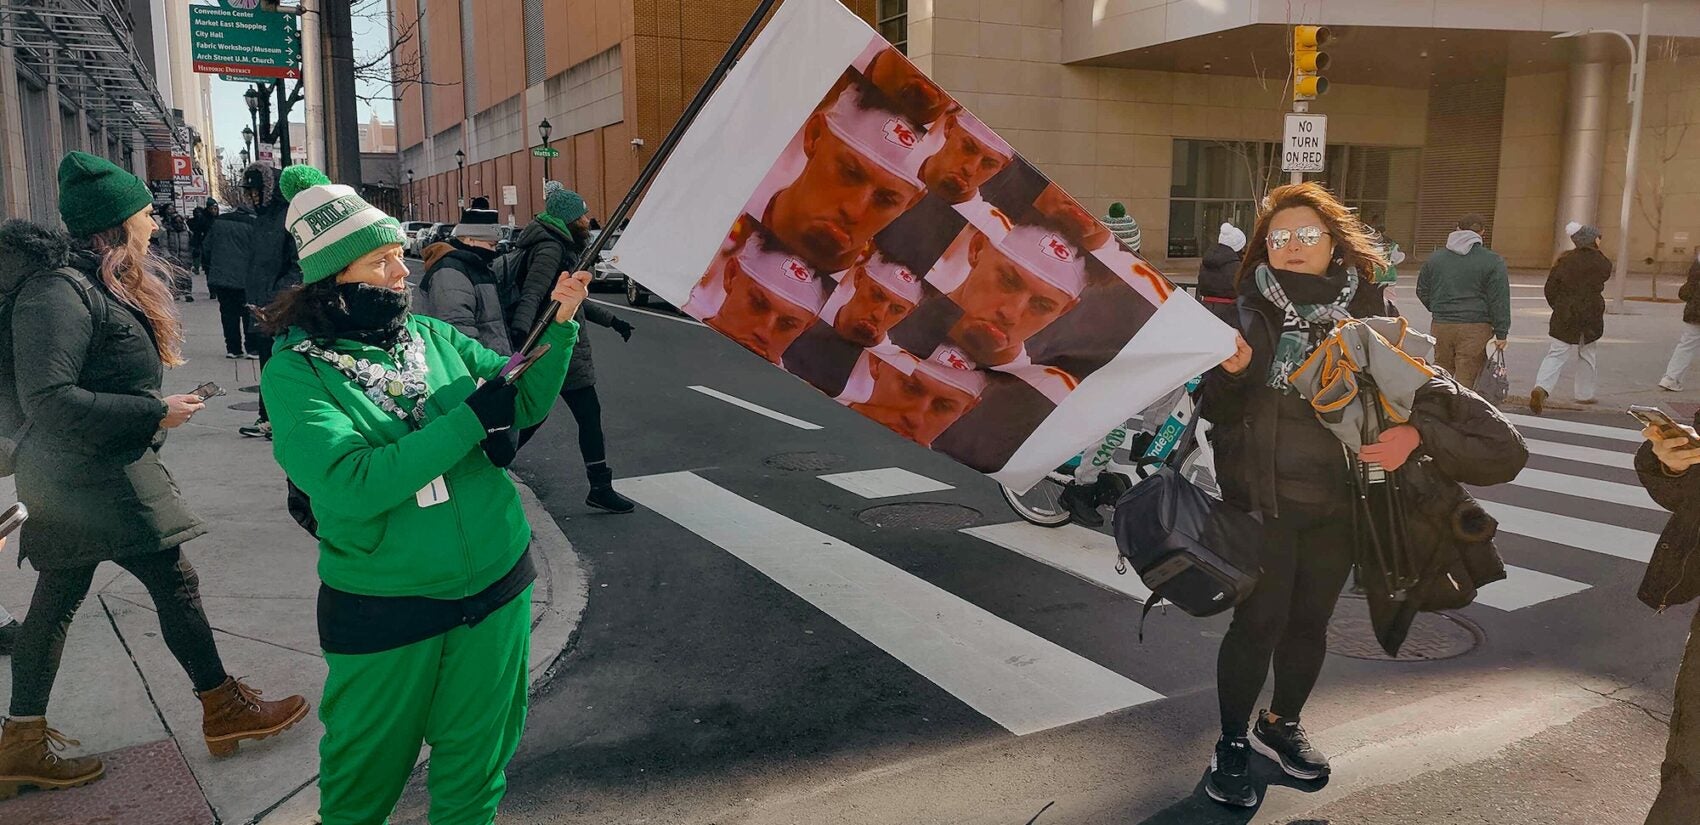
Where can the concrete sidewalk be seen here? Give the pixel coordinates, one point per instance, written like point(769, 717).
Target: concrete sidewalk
point(123, 695)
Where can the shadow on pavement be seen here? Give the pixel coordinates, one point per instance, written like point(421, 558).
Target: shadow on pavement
point(1200, 809)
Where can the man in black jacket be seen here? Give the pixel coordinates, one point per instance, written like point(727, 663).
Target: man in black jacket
point(271, 269)
point(1665, 466)
point(1216, 274)
point(551, 245)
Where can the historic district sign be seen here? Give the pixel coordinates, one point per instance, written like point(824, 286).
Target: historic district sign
point(242, 43)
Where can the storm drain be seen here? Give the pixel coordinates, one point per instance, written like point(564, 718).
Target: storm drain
point(1434, 636)
point(805, 462)
point(920, 515)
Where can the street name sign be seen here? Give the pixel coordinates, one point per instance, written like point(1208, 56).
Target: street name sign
point(241, 43)
point(545, 152)
point(1304, 145)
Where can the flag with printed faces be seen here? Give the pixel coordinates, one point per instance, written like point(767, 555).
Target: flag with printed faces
point(840, 215)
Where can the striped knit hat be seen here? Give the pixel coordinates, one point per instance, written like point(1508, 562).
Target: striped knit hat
point(1125, 228)
point(332, 225)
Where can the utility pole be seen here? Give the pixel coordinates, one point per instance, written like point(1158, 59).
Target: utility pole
point(342, 120)
point(311, 60)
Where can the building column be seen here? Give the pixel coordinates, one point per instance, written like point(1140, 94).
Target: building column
point(1584, 140)
point(14, 168)
point(56, 147)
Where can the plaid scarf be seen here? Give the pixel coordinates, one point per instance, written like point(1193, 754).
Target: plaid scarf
point(1301, 323)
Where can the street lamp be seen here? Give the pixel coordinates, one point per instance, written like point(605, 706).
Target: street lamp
point(544, 129)
point(252, 96)
point(248, 137)
point(1637, 91)
point(460, 186)
point(244, 158)
point(410, 215)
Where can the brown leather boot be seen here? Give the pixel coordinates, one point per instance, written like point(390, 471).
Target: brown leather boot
point(29, 756)
point(233, 712)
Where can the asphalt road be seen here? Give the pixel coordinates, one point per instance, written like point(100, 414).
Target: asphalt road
point(759, 647)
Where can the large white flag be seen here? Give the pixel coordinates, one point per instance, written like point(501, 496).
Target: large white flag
point(838, 214)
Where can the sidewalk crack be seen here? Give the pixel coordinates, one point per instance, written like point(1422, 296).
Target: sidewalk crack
point(315, 654)
point(148, 689)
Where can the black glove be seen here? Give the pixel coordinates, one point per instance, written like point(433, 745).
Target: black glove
point(623, 328)
point(493, 403)
point(501, 448)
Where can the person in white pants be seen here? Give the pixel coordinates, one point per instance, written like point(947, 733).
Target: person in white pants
point(1575, 290)
point(1683, 355)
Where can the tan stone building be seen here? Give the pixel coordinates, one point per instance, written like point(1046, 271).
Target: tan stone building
point(604, 73)
point(1438, 108)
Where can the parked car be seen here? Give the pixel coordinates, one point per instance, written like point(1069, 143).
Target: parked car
point(411, 230)
point(438, 234)
point(506, 243)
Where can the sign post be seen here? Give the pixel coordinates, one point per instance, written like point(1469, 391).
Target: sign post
point(1304, 144)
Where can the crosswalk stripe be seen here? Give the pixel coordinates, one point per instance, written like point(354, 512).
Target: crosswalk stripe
point(885, 482)
point(1522, 588)
point(1559, 425)
point(1591, 488)
point(1608, 539)
point(756, 408)
point(1017, 679)
point(1572, 452)
point(1087, 554)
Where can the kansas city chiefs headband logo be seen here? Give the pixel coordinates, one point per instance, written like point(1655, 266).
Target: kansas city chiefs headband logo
point(797, 270)
point(901, 133)
point(1057, 248)
point(904, 275)
point(953, 358)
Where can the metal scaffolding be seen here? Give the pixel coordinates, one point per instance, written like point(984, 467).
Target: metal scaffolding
point(88, 48)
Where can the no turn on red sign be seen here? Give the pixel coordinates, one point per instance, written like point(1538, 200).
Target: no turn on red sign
point(1304, 143)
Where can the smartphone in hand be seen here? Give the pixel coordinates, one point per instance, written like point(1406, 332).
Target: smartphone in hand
point(13, 518)
point(1655, 417)
point(517, 365)
point(207, 391)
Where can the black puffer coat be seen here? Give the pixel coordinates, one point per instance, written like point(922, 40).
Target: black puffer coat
point(274, 266)
point(1673, 574)
point(1575, 290)
point(1216, 281)
point(88, 465)
point(548, 254)
point(1249, 419)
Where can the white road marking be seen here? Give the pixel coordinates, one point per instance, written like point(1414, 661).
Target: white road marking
point(1017, 679)
point(1559, 425)
point(1591, 488)
point(650, 312)
point(757, 409)
point(1608, 539)
point(885, 483)
point(1087, 554)
point(1522, 587)
point(1591, 455)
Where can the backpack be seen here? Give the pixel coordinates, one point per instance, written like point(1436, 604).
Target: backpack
point(510, 270)
point(13, 424)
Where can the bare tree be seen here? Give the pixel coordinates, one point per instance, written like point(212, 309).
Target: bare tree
point(399, 65)
point(1667, 140)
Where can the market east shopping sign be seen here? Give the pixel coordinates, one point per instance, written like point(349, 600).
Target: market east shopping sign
point(243, 43)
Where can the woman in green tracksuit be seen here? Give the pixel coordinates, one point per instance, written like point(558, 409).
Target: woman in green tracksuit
point(394, 425)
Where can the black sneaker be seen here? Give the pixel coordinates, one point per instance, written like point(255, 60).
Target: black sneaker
point(233, 356)
point(1229, 780)
point(605, 498)
point(258, 429)
point(1286, 743)
point(1081, 502)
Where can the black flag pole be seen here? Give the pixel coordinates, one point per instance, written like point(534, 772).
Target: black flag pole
point(662, 152)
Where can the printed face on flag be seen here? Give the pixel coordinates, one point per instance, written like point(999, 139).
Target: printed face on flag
point(915, 399)
point(972, 154)
point(837, 213)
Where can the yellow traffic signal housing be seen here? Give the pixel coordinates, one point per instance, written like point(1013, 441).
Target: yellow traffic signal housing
point(1309, 61)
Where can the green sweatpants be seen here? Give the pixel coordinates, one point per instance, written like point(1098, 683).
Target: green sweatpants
point(463, 692)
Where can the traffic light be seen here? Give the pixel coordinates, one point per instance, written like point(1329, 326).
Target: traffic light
point(1308, 62)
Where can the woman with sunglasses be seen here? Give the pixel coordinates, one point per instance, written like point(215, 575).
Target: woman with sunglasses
point(1309, 262)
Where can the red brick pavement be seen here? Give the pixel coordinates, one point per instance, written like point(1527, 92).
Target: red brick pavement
point(144, 785)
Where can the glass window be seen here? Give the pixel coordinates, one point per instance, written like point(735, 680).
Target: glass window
point(892, 17)
point(1215, 181)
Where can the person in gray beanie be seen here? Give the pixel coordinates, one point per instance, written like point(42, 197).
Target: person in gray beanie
point(459, 285)
point(1575, 290)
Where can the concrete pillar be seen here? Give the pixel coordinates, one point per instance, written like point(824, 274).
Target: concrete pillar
point(14, 169)
point(56, 147)
point(1584, 140)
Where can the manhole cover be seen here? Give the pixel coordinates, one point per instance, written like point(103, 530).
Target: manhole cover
point(1433, 636)
point(804, 462)
point(921, 515)
point(246, 406)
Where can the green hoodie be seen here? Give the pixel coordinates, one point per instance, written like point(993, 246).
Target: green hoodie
point(363, 467)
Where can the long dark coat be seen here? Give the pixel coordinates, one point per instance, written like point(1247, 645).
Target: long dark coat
point(1575, 290)
point(89, 383)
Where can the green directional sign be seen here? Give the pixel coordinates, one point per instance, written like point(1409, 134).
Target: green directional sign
point(244, 43)
point(545, 152)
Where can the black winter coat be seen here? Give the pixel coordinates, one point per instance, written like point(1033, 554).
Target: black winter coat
point(1690, 295)
point(1216, 280)
point(88, 465)
point(548, 254)
point(1575, 290)
point(274, 266)
point(1673, 573)
point(1249, 419)
point(227, 251)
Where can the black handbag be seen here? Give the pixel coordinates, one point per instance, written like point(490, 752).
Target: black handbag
point(1190, 548)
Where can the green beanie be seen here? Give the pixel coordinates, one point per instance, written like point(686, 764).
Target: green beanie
point(563, 203)
point(1117, 210)
point(95, 194)
point(332, 225)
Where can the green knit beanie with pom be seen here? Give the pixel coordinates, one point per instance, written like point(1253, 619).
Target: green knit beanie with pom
point(332, 225)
